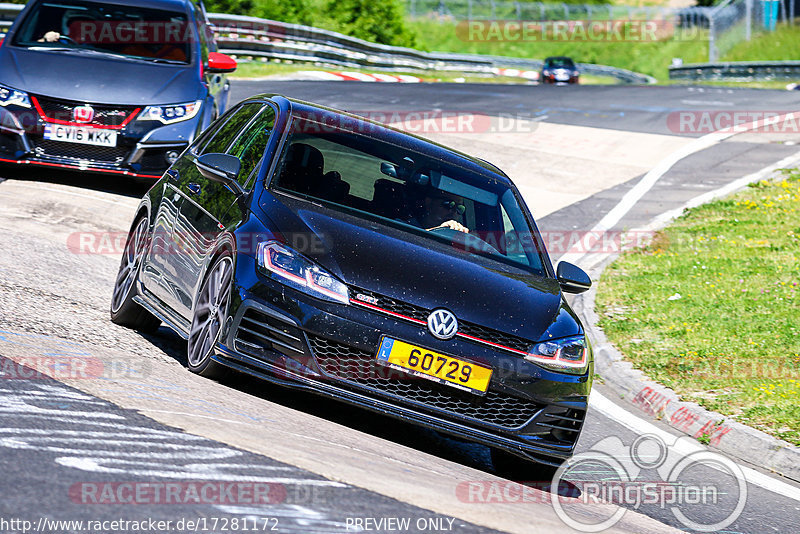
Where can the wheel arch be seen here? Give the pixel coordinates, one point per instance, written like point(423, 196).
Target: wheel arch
point(225, 244)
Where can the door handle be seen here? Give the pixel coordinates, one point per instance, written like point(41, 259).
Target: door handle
point(173, 175)
point(194, 188)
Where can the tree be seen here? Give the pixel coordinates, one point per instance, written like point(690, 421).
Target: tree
point(379, 21)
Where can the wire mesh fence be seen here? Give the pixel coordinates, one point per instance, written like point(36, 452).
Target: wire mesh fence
point(728, 23)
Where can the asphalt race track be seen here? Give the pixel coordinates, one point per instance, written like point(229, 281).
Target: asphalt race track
point(76, 449)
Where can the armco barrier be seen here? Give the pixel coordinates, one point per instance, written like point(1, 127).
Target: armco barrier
point(737, 71)
point(254, 38)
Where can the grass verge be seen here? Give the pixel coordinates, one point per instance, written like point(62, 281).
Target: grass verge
point(711, 308)
point(651, 57)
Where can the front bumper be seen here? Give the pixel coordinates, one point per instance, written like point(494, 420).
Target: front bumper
point(285, 336)
point(140, 151)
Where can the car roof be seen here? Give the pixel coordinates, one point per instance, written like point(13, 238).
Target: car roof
point(553, 58)
point(393, 135)
point(169, 5)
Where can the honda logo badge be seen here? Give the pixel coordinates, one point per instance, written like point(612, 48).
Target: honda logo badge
point(83, 114)
point(442, 324)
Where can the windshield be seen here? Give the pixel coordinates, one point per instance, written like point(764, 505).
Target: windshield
point(129, 31)
point(435, 198)
point(560, 63)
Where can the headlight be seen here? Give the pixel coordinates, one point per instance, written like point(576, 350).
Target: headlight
point(12, 96)
point(575, 73)
point(546, 72)
point(569, 355)
point(296, 271)
point(171, 113)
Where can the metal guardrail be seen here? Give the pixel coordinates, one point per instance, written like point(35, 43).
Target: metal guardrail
point(254, 38)
point(257, 38)
point(737, 71)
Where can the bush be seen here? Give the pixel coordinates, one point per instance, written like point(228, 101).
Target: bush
point(378, 21)
point(296, 11)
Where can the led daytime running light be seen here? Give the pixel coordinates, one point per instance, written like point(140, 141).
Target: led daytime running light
point(552, 354)
point(301, 273)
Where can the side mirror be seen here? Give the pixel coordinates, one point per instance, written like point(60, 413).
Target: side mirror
point(220, 63)
point(222, 168)
point(572, 278)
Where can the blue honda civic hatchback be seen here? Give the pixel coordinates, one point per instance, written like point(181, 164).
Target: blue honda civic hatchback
point(118, 88)
point(322, 251)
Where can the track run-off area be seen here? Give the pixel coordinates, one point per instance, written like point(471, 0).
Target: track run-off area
point(78, 446)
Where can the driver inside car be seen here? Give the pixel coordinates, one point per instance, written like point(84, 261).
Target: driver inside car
point(50, 37)
point(440, 210)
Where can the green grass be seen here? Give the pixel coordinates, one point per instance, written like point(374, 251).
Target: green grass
point(711, 308)
point(783, 43)
point(651, 58)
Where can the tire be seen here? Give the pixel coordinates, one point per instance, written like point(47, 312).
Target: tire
point(124, 311)
point(208, 316)
point(518, 469)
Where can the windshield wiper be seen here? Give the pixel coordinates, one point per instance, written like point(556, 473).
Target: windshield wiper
point(159, 60)
point(78, 50)
point(50, 48)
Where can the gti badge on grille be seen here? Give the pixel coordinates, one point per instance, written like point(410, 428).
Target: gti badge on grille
point(442, 324)
point(83, 114)
point(367, 298)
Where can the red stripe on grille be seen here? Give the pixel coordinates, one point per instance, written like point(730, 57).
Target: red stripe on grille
point(417, 321)
point(83, 125)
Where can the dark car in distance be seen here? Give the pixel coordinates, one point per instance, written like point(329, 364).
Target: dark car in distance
point(322, 251)
point(119, 88)
point(559, 70)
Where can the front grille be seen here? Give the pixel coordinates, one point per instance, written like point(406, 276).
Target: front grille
point(80, 152)
point(104, 115)
point(395, 306)
point(501, 338)
point(259, 333)
point(358, 368)
point(421, 314)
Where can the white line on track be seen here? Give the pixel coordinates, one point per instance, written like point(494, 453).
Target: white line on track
point(684, 447)
point(656, 173)
point(732, 187)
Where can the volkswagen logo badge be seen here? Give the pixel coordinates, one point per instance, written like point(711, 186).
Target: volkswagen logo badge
point(442, 324)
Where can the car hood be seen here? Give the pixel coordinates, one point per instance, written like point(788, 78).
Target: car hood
point(423, 271)
point(96, 78)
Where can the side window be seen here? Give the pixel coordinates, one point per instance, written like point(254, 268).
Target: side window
point(207, 134)
point(235, 124)
point(250, 146)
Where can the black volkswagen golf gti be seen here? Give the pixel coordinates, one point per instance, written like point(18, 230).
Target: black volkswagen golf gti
point(323, 251)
